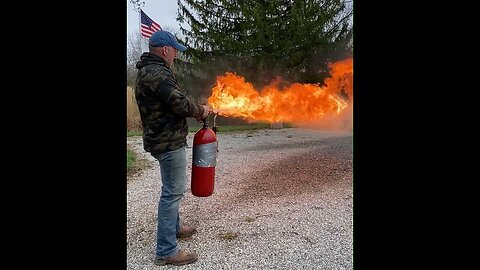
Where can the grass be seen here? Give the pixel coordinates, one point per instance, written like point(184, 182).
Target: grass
point(135, 164)
point(221, 129)
point(134, 133)
point(228, 236)
point(131, 158)
point(250, 219)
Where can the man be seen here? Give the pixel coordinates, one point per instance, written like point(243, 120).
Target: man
point(163, 111)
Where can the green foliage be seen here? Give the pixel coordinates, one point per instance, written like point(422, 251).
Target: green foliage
point(232, 128)
point(221, 128)
point(238, 128)
point(134, 133)
point(261, 40)
point(130, 159)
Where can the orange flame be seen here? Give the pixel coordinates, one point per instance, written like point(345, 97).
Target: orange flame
point(232, 96)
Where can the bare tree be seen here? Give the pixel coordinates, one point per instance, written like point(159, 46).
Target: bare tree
point(134, 51)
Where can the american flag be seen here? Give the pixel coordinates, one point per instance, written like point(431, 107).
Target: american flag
point(147, 25)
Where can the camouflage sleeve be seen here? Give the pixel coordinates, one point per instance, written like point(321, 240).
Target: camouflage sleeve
point(177, 101)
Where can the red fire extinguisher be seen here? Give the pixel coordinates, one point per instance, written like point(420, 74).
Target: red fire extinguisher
point(204, 161)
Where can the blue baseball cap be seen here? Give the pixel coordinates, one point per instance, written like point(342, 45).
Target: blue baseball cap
point(164, 38)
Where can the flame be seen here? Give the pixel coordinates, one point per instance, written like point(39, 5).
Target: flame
point(232, 96)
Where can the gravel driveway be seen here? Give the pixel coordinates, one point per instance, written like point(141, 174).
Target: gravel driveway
point(282, 200)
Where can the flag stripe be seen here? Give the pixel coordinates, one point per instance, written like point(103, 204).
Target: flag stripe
point(147, 25)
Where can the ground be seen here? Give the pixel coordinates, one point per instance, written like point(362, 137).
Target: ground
point(282, 200)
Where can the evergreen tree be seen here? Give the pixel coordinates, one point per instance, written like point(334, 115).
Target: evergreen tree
point(264, 39)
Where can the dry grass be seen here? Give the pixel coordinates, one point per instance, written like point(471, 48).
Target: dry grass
point(135, 164)
point(138, 167)
point(228, 236)
point(133, 116)
point(250, 219)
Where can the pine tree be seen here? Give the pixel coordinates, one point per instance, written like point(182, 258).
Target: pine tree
point(264, 39)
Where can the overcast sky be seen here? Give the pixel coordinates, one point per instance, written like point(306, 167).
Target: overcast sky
point(162, 12)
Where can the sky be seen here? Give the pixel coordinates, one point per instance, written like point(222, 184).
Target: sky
point(162, 12)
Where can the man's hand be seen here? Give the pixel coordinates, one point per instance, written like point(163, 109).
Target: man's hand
point(207, 109)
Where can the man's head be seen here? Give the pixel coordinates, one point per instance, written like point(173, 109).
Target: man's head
point(165, 45)
point(164, 38)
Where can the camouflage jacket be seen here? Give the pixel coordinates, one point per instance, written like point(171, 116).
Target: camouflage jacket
point(163, 107)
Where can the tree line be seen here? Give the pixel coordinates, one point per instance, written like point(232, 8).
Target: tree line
point(257, 39)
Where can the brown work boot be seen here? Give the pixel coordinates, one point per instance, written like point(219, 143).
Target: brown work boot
point(180, 258)
point(186, 231)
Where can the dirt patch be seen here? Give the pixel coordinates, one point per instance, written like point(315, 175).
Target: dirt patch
point(139, 166)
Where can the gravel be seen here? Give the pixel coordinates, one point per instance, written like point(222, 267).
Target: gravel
point(282, 200)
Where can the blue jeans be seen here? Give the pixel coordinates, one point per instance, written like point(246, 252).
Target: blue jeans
point(173, 171)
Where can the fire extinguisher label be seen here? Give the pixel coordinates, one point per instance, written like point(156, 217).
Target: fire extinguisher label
point(205, 155)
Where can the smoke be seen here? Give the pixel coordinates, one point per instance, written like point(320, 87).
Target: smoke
point(342, 122)
point(339, 83)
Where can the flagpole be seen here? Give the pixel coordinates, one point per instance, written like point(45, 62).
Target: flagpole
point(138, 7)
point(140, 23)
point(142, 39)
